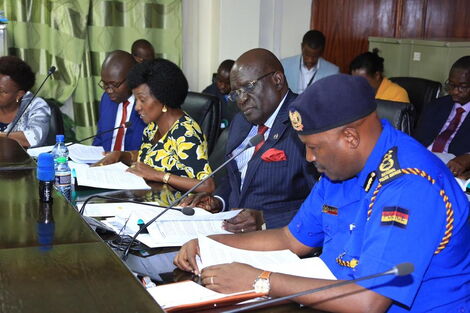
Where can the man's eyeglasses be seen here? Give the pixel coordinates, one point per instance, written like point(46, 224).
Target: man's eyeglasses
point(451, 86)
point(249, 87)
point(111, 85)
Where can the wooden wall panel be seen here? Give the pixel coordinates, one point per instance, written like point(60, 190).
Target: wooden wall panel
point(411, 24)
point(347, 24)
point(447, 19)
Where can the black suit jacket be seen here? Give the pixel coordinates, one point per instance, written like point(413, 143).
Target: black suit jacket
point(276, 188)
point(434, 117)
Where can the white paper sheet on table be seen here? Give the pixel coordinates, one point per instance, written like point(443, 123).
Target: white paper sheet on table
point(113, 176)
point(85, 154)
point(280, 261)
point(171, 229)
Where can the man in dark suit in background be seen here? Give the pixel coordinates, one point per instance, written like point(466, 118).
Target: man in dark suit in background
point(273, 176)
point(444, 125)
point(142, 50)
point(117, 106)
point(220, 88)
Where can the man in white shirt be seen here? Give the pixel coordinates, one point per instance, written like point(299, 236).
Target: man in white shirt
point(303, 70)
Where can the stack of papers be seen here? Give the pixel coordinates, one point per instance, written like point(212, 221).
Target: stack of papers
point(113, 176)
point(85, 154)
point(77, 152)
point(213, 253)
point(171, 229)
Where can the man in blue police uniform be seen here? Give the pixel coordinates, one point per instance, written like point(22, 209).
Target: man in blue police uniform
point(383, 199)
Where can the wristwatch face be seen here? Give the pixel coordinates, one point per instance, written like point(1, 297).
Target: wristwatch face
point(261, 285)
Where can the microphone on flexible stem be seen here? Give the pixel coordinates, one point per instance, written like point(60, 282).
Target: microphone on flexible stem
point(49, 73)
point(185, 210)
point(401, 269)
point(253, 142)
point(125, 125)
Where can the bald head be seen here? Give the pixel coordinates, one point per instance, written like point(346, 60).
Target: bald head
point(114, 71)
point(258, 60)
point(142, 50)
point(258, 84)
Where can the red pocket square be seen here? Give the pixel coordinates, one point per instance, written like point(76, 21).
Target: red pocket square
point(274, 155)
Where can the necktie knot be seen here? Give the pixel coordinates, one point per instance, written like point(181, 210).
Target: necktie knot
point(262, 129)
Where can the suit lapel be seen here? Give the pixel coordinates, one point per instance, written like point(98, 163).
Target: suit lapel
point(280, 125)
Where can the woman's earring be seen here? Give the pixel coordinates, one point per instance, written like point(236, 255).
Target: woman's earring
point(164, 109)
point(17, 100)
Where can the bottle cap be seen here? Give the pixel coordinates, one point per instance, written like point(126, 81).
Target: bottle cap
point(45, 170)
point(59, 138)
point(61, 160)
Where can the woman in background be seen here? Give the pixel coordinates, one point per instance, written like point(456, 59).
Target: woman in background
point(174, 149)
point(370, 66)
point(16, 79)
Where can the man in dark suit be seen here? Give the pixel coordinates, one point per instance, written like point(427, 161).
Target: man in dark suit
point(117, 106)
point(220, 88)
point(444, 125)
point(274, 176)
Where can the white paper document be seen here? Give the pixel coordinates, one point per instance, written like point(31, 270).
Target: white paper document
point(77, 152)
point(171, 229)
point(280, 261)
point(85, 154)
point(35, 152)
point(113, 176)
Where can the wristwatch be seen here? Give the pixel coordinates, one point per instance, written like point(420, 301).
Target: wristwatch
point(261, 283)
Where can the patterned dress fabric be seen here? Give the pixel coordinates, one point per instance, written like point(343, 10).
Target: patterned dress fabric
point(181, 151)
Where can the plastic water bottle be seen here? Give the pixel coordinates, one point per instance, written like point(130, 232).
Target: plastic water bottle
point(63, 178)
point(60, 149)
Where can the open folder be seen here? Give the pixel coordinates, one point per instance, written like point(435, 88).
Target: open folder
point(189, 296)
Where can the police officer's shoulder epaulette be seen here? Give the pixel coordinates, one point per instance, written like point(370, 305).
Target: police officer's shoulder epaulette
point(389, 169)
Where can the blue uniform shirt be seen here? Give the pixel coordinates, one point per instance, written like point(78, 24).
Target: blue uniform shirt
point(406, 224)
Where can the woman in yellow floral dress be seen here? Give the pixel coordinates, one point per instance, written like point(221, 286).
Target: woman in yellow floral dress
point(174, 149)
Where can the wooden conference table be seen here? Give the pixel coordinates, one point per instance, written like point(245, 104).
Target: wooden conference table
point(69, 268)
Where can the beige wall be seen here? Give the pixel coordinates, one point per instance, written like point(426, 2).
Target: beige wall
point(215, 30)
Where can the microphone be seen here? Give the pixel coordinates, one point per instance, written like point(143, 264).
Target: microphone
point(49, 73)
point(401, 269)
point(185, 210)
point(253, 142)
point(125, 125)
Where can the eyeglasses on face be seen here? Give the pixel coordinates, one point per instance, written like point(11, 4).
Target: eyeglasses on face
point(460, 87)
point(236, 95)
point(110, 85)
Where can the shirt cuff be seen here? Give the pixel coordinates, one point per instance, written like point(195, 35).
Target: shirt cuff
point(223, 202)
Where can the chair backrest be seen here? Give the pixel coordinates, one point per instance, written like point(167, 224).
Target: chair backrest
point(217, 157)
point(56, 123)
point(205, 110)
point(421, 91)
point(399, 114)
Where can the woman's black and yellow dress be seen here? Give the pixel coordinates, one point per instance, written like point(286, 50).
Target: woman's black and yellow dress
point(181, 151)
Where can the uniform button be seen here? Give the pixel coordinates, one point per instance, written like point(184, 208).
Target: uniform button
point(310, 234)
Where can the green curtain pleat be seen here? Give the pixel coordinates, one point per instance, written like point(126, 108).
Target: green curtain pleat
point(76, 36)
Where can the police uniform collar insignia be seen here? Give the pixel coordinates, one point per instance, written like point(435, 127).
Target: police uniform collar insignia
point(296, 120)
point(389, 168)
point(369, 181)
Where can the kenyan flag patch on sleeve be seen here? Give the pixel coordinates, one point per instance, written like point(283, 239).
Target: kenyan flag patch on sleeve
point(394, 216)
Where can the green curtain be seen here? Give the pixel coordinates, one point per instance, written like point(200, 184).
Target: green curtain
point(76, 35)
